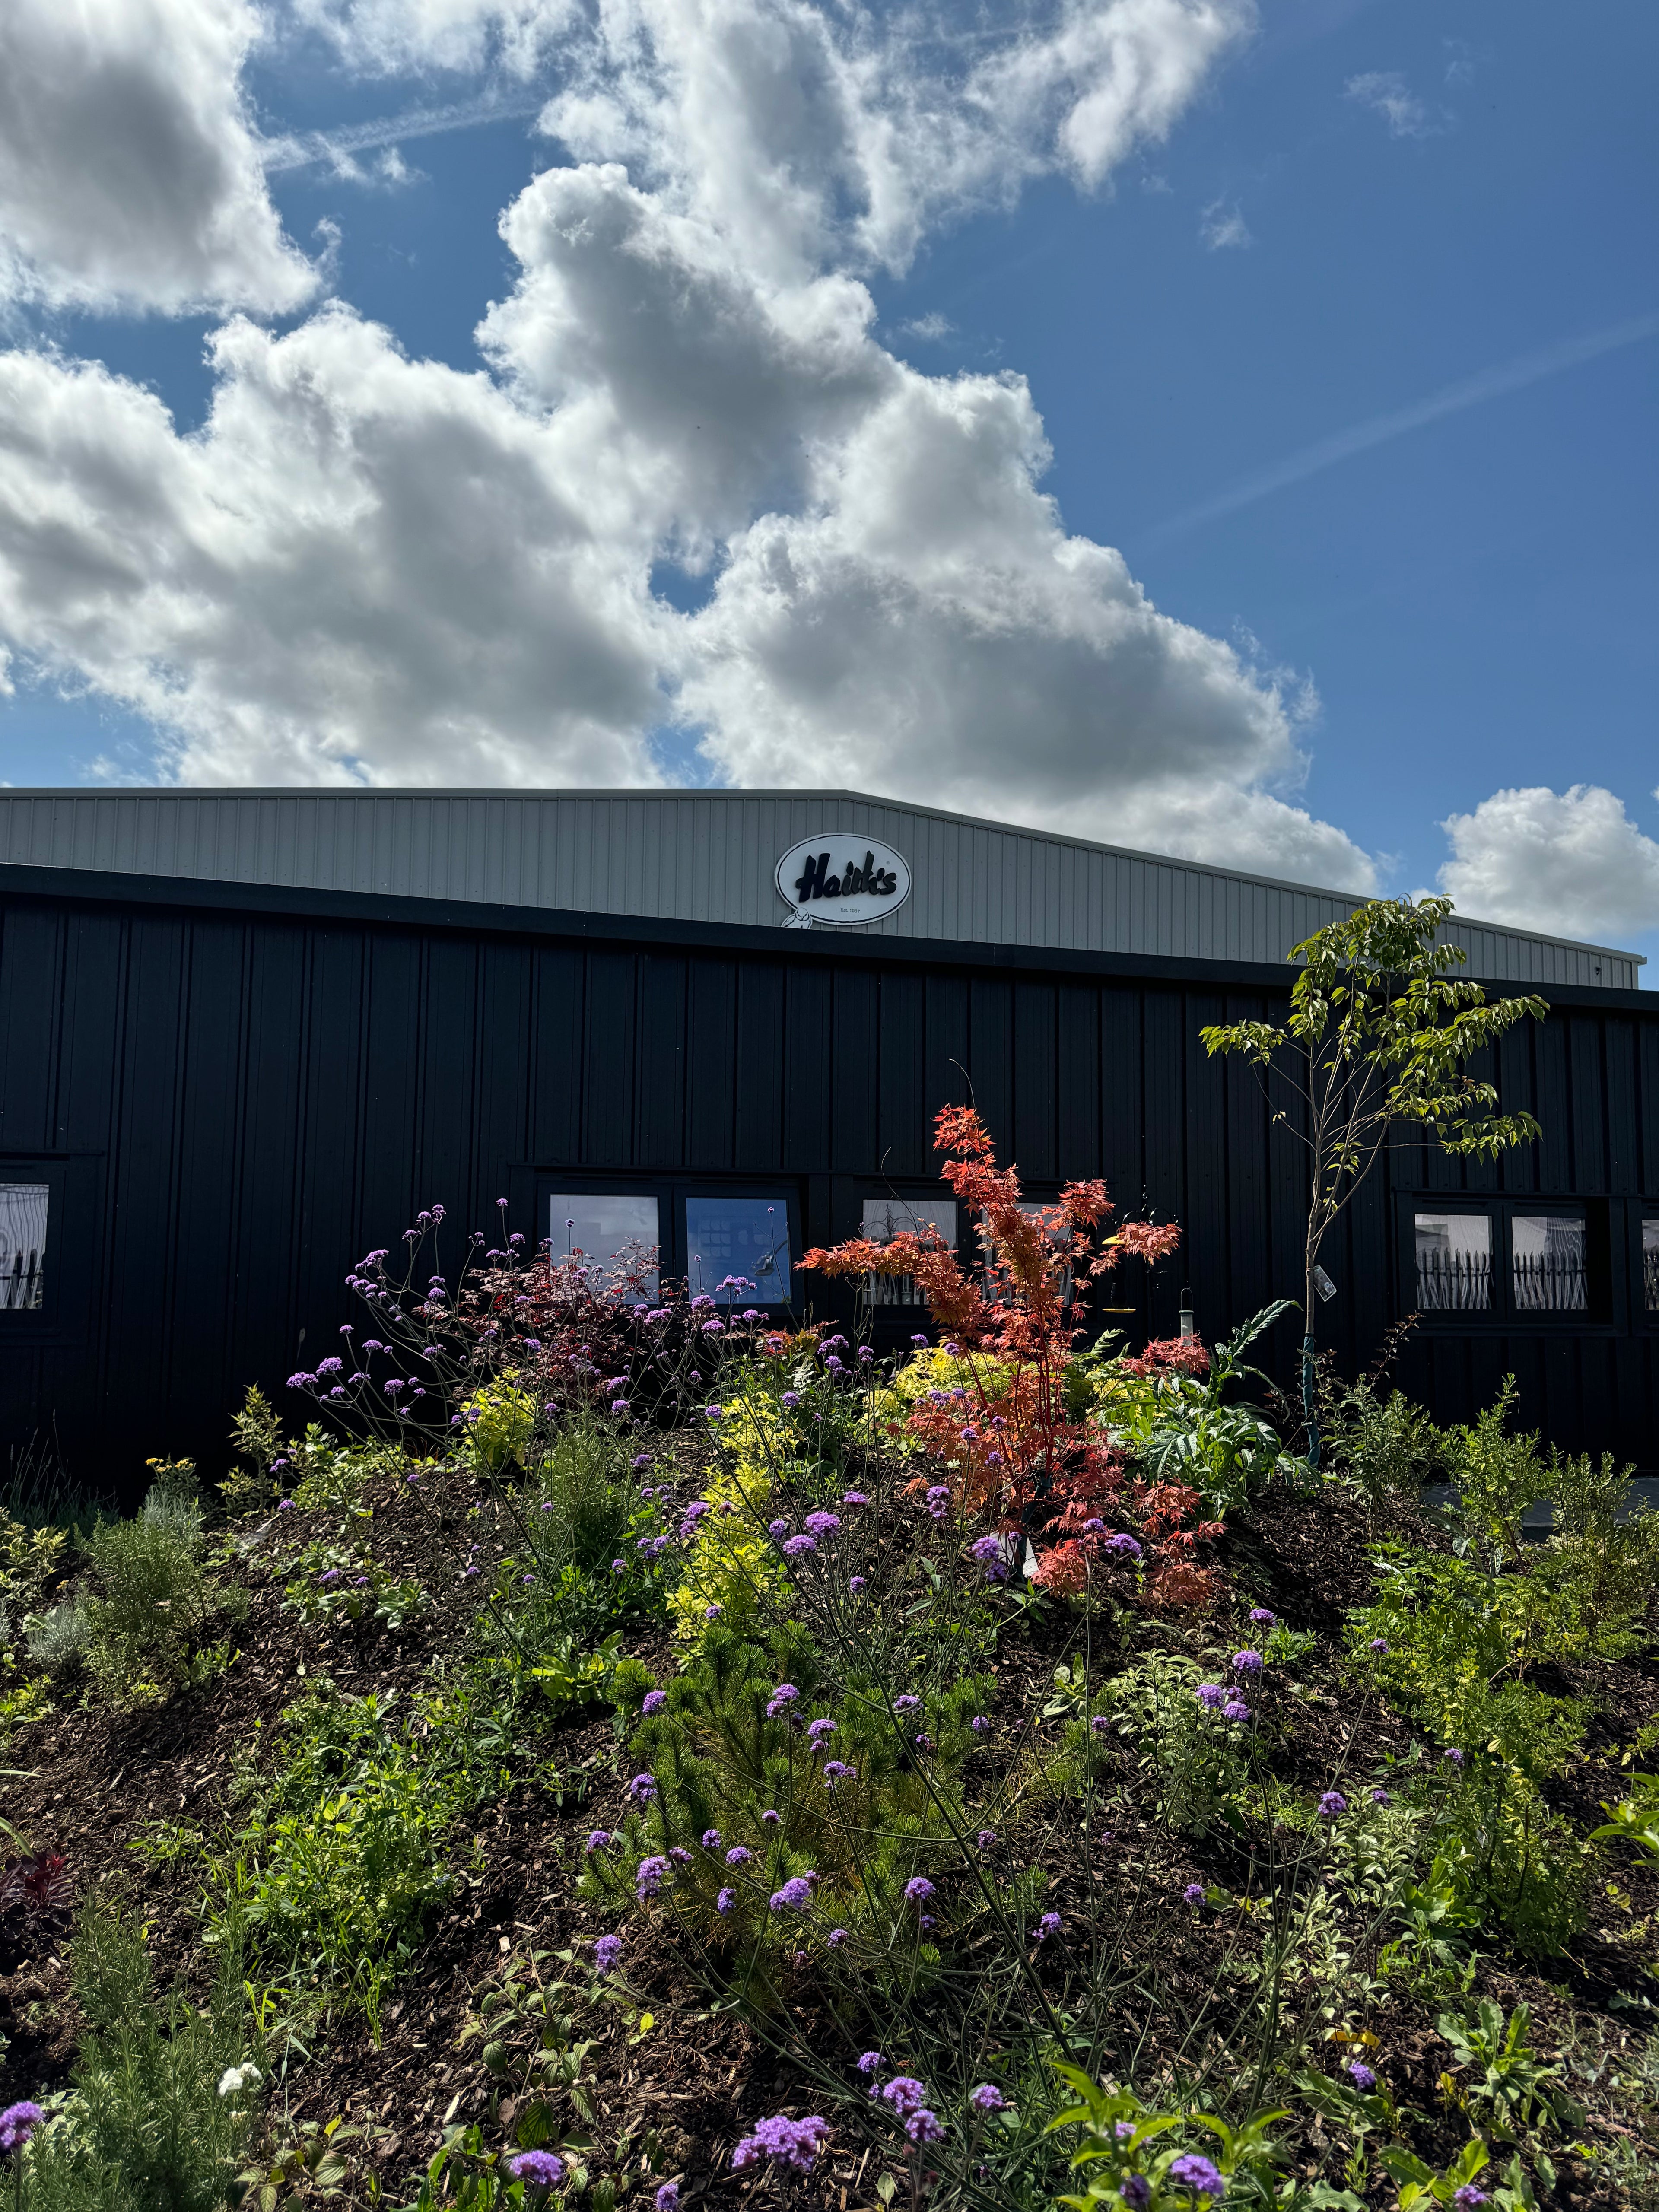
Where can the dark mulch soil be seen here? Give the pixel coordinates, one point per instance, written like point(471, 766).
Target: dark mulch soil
point(95, 1782)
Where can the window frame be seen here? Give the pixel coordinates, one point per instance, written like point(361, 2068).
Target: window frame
point(74, 1256)
point(1505, 1316)
point(1640, 1211)
point(533, 1189)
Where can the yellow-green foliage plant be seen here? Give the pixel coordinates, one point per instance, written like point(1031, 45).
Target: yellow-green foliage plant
point(729, 1562)
point(984, 1379)
point(501, 1419)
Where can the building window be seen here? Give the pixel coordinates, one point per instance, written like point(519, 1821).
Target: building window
point(886, 1219)
point(614, 1236)
point(738, 1249)
point(1650, 1265)
point(24, 1246)
point(1453, 1262)
point(1547, 1271)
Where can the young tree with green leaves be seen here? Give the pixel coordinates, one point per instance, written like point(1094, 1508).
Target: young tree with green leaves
point(1378, 1039)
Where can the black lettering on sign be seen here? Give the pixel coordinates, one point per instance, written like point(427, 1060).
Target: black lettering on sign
point(817, 882)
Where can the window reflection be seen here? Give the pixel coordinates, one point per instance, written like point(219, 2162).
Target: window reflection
point(1453, 1262)
point(616, 1236)
point(737, 1249)
point(1546, 1262)
point(22, 1246)
point(1650, 1265)
point(884, 1219)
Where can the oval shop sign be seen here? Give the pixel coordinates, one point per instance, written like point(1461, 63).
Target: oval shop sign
point(845, 879)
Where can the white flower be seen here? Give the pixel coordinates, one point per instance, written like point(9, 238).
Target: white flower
point(236, 2078)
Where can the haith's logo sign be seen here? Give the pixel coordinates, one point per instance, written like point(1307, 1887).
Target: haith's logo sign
point(843, 880)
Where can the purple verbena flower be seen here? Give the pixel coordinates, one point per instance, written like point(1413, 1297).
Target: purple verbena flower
point(668, 2198)
point(795, 1897)
point(923, 2126)
point(870, 2061)
point(598, 1839)
point(904, 2094)
point(1195, 2173)
point(1193, 1892)
point(1210, 1695)
point(854, 1498)
point(1048, 1925)
point(540, 2169)
point(1263, 1618)
point(988, 2097)
point(655, 1702)
point(726, 1900)
point(1363, 2076)
point(792, 2142)
point(1247, 1663)
point(642, 1788)
point(711, 1839)
point(1332, 1804)
point(648, 1877)
point(823, 1524)
point(18, 2123)
point(739, 1855)
point(606, 1951)
point(918, 1889)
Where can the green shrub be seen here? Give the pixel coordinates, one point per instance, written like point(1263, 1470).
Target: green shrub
point(582, 1509)
point(1386, 1446)
point(57, 1640)
point(257, 1433)
point(149, 1606)
point(151, 2126)
point(349, 1843)
point(1450, 1643)
point(1495, 1478)
point(1186, 1427)
point(1195, 1761)
point(1602, 1559)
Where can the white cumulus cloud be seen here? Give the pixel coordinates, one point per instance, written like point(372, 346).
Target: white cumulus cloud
point(1570, 861)
point(129, 174)
point(363, 567)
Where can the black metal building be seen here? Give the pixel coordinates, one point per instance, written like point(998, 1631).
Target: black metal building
point(215, 1094)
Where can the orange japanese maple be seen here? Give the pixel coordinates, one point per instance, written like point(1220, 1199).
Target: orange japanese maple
point(1005, 1434)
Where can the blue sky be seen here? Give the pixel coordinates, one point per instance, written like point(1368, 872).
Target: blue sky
point(1346, 341)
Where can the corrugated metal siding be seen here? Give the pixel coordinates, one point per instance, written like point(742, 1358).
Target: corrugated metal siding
point(250, 1102)
point(710, 856)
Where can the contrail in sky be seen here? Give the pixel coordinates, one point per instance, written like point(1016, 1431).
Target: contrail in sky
point(1450, 399)
point(298, 152)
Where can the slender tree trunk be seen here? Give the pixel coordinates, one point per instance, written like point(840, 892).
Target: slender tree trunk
point(1309, 1400)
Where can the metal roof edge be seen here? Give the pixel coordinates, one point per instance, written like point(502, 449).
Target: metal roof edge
point(491, 917)
point(727, 791)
